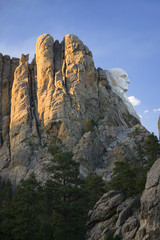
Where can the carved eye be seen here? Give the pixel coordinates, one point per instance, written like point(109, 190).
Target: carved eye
point(124, 75)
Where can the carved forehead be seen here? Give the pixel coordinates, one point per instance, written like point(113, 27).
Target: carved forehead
point(118, 72)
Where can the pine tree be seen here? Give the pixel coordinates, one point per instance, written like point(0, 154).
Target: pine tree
point(140, 161)
point(64, 192)
point(95, 188)
point(5, 201)
point(26, 211)
point(128, 179)
point(152, 149)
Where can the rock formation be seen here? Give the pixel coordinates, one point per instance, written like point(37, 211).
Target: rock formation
point(132, 218)
point(150, 205)
point(114, 213)
point(62, 99)
point(7, 69)
point(50, 100)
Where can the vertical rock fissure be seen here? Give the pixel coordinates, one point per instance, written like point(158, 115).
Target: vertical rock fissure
point(58, 57)
point(33, 99)
point(64, 66)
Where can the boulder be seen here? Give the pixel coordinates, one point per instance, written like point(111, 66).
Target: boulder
point(150, 205)
point(113, 213)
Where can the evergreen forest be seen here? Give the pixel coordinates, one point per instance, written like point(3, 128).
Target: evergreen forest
point(58, 208)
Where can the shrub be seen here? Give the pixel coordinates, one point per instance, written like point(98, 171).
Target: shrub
point(54, 149)
point(89, 124)
point(110, 236)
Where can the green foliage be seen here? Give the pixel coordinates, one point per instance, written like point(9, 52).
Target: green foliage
point(137, 130)
point(25, 216)
point(140, 156)
point(110, 236)
point(58, 210)
point(131, 179)
point(54, 148)
point(89, 124)
point(44, 144)
point(5, 200)
point(152, 149)
point(64, 193)
point(95, 188)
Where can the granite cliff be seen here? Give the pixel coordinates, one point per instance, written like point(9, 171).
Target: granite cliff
point(50, 102)
point(61, 100)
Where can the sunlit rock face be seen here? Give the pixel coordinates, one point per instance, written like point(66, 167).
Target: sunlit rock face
point(48, 102)
point(118, 80)
point(45, 76)
point(66, 86)
point(20, 128)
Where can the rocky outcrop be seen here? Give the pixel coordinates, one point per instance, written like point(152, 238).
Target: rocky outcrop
point(110, 145)
point(20, 124)
point(49, 102)
point(7, 68)
point(62, 99)
point(132, 218)
point(150, 205)
point(45, 81)
point(113, 213)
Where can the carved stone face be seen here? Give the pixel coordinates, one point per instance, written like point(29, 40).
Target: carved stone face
point(120, 79)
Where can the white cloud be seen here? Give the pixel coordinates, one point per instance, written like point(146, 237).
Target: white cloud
point(134, 101)
point(140, 116)
point(156, 110)
point(146, 111)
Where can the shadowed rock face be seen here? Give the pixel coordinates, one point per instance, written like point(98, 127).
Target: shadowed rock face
point(49, 101)
point(150, 205)
point(114, 213)
point(133, 218)
point(7, 69)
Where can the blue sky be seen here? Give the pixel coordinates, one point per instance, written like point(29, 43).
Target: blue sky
point(120, 33)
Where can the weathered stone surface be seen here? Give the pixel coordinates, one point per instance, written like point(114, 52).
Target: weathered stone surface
point(48, 101)
point(99, 149)
point(7, 68)
point(133, 218)
point(45, 81)
point(112, 213)
point(20, 125)
point(51, 99)
point(150, 205)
